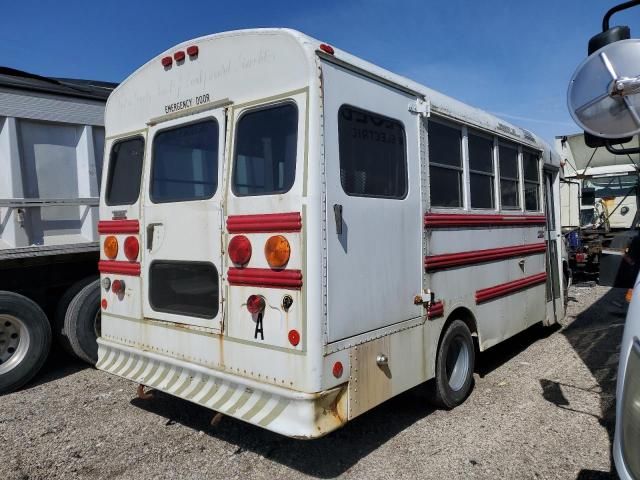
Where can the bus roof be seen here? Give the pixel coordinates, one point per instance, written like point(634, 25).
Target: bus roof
point(440, 104)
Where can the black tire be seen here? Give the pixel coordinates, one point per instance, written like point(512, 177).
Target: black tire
point(82, 322)
point(22, 356)
point(61, 311)
point(455, 362)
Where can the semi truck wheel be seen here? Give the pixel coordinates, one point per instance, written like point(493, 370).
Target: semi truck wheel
point(61, 311)
point(82, 322)
point(25, 340)
point(454, 366)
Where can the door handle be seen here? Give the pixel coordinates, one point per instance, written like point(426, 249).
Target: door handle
point(337, 213)
point(150, 229)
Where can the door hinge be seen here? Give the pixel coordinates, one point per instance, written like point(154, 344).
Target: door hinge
point(421, 107)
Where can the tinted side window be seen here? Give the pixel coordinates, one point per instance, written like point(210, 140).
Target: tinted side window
point(445, 165)
point(184, 288)
point(265, 151)
point(125, 170)
point(185, 163)
point(509, 176)
point(531, 181)
point(481, 170)
point(372, 154)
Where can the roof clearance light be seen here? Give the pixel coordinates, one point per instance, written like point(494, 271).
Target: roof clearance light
point(240, 250)
point(192, 51)
point(277, 251)
point(179, 56)
point(167, 61)
point(131, 248)
point(255, 304)
point(110, 247)
point(327, 48)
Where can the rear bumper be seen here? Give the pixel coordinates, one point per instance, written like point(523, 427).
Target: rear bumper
point(288, 412)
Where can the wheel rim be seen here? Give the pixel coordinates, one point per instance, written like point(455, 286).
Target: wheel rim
point(14, 342)
point(457, 363)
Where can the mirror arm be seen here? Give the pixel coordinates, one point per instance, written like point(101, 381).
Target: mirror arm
point(617, 8)
point(621, 151)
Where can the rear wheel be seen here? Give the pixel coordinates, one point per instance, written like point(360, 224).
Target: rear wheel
point(25, 340)
point(455, 362)
point(61, 311)
point(82, 322)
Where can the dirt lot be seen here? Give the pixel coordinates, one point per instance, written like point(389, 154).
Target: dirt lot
point(543, 407)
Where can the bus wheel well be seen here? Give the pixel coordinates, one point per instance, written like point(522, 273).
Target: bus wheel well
point(464, 314)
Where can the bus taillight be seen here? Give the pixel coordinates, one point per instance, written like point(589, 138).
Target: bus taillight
point(131, 248)
point(240, 250)
point(277, 251)
point(255, 304)
point(110, 247)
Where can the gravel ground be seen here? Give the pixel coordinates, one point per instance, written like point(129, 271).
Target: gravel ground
point(543, 407)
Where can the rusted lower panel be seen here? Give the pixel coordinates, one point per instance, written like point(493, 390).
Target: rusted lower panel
point(369, 383)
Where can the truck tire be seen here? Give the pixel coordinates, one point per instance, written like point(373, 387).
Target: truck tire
point(61, 311)
point(82, 322)
point(25, 340)
point(455, 362)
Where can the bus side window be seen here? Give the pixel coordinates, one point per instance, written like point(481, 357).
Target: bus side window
point(530, 162)
point(509, 176)
point(445, 164)
point(481, 172)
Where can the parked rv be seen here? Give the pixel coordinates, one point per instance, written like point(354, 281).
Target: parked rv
point(51, 146)
point(292, 235)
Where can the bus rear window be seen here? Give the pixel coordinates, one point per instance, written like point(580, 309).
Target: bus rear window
point(125, 170)
point(265, 152)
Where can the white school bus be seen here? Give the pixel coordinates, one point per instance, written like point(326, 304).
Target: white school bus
point(291, 235)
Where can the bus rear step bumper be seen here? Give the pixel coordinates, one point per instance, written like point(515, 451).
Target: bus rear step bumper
point(288, 412)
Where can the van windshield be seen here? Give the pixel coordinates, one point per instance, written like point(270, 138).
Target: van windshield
point(618, 186)
point(265, 152)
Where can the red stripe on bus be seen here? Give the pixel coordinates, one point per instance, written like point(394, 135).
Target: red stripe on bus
point(439, 220)
point(118, 226)
point(264, 277)
point(124, 268)
point(435, 310)
point(447, 260)
point(490, 293)
point(265, 223)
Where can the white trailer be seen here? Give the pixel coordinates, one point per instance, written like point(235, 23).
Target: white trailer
point(292, 235)
point(51, 144)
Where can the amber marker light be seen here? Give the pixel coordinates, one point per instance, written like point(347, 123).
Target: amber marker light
point(110, 247)
point(277, 251)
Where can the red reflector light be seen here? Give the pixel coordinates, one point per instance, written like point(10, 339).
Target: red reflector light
point(192, 51)
point(337, 369)
point(131, 248)
point(581, 257)
point(117, 286)
point(167, 61)
point(179, 56)
point(255, 304)
point(104, 303)
point(294, 337)
point(327, 48)
point(240, 250)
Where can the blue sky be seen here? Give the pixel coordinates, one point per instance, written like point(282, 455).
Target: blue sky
point(512, 58)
